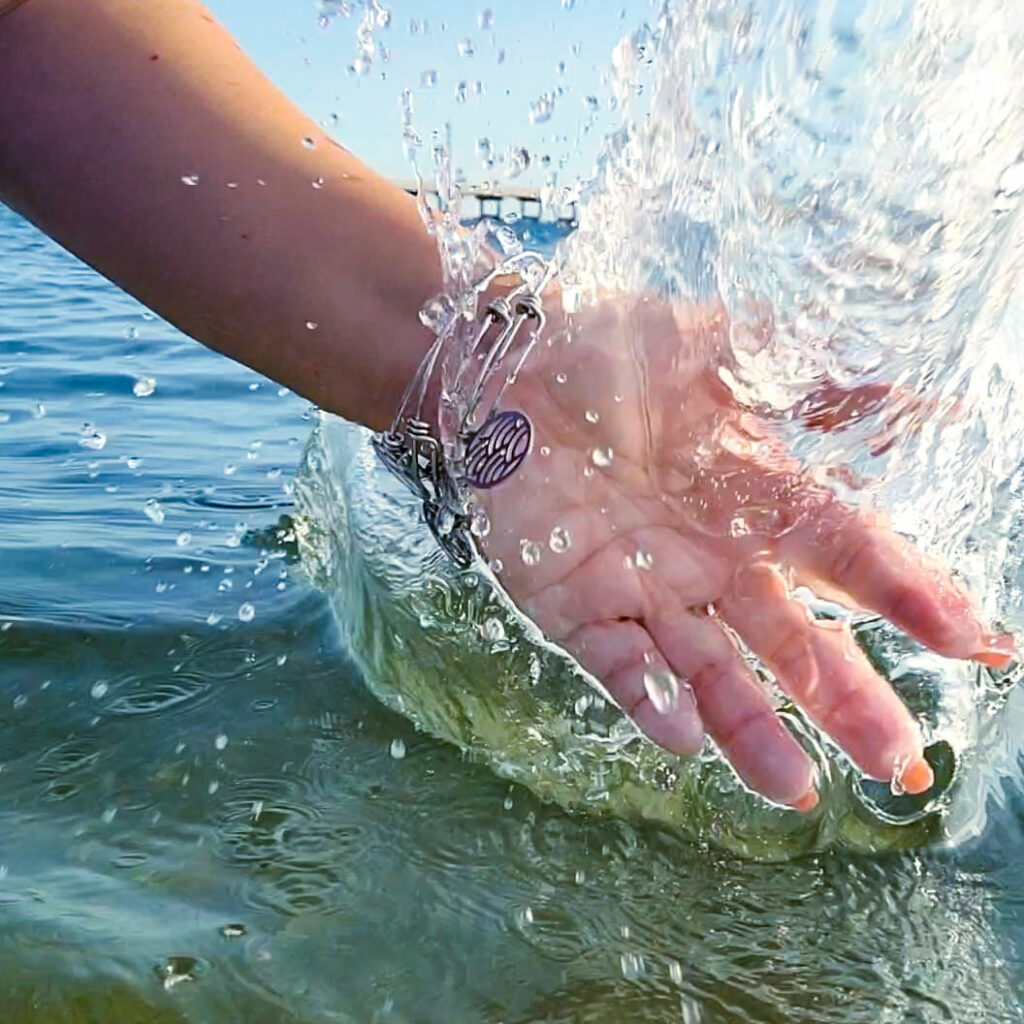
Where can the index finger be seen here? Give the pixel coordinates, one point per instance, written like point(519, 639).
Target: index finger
point(881, 570)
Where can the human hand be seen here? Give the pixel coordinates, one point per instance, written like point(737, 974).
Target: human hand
point(657, 522)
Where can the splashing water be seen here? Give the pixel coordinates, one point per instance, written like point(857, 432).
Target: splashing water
point(845, 181)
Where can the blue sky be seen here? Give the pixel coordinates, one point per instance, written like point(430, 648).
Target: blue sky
point(555, 47)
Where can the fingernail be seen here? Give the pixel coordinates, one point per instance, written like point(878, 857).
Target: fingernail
point(917, 777)
point(998, 651)
point(807, 802)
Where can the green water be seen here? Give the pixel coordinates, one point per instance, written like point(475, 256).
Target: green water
point(204, 820)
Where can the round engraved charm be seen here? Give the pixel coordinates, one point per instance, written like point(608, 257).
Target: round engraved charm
point(498, 448)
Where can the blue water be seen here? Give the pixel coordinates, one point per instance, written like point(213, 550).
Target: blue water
point(201, 814)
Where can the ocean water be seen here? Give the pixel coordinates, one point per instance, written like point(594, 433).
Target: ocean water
point(205, 816)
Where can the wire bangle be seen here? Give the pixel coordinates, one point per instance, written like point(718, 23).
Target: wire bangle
point(485, 455)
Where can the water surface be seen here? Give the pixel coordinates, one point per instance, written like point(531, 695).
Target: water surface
point(206, 817)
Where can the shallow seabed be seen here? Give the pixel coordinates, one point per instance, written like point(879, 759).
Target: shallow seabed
point(206, 817)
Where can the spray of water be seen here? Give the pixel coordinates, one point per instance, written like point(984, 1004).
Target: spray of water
point(846, 180)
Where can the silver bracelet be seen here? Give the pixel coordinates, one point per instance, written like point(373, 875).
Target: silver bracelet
point(480, 457)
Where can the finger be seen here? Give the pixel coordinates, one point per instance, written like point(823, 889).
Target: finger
point(821, 667)
point(735, 709)
point(883, 571)
point(623, 656)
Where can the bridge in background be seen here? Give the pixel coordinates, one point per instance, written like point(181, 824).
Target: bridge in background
point(498, 200)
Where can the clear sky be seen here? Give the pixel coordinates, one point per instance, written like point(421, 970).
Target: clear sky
point(518, 53)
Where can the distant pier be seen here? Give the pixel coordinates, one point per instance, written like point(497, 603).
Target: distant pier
point(499, 200)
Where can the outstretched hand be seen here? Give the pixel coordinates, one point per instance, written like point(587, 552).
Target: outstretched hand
point(657, 524)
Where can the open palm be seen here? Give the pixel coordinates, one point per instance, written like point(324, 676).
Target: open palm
point(657, 524)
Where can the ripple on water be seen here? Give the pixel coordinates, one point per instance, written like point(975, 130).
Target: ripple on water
point(156, 698)
point(73, 755)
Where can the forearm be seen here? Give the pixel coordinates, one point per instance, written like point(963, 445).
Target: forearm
point(110, 110)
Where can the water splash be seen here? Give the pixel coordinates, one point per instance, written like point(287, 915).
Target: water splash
point(845, 185)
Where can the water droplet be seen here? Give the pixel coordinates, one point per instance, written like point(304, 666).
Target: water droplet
point(510, 243)
point(590, 416)
point(177, 969)
point(229, 468)
point(643, 560)
point(39, 411)
point(485, 149)
point(675, 971)
point(582, 703)
point(1011, 181)
point(560, 540)
point(308, 142)
point(233, 931)
point(397, 749)
point(534, 668)
point(738, 526)
point(545, 450)
point(94, 441)
point(496, 565)
point(466, 48)
point(508, 803)
point(580, 877)
point(663, 690)
point(99, 689)
point(632, 963)
point(183, 539)
point(524, 916)
point(485, 19)
point(436, 313)
point(592, 103)
point(461, 92)
point(225, 585)
point(154, 510)
point(529, 551)
point(213, 618)
point(245, 611)
point(190, 179)
point(479, 522)
point(428, 79)
point(492, 629)
point(560, 377)
point(445, 522)
point(602, 457)
point(317, 182)
point(221, 742)
point(542, 108)
point(144, 387)
point(518, 161)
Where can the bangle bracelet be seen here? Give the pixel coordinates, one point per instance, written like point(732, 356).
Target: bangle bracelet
point(478, 457)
